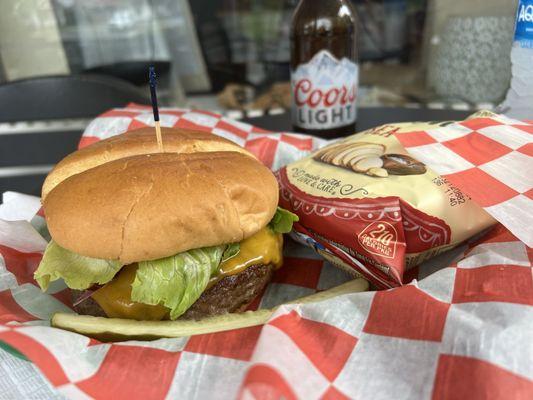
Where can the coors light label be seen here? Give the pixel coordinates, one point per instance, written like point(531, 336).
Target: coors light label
point(324, 92)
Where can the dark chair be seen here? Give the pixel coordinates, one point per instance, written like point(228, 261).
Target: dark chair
point(42, 119)
point(132, 71)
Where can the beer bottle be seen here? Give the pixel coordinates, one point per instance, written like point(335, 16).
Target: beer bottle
point(324, 71)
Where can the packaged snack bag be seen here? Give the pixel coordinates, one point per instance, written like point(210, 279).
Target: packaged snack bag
point(368, 206)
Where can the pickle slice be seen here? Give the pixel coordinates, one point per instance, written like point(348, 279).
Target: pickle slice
point(118, 329)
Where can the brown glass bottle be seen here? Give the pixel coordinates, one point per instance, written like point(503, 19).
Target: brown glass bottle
point(324, 71)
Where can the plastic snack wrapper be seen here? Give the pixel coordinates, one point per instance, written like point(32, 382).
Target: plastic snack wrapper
point(366, 204)
point(459, 325)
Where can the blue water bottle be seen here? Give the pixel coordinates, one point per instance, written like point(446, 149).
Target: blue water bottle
point(519, 100)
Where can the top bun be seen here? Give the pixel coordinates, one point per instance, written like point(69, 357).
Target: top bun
point(139, 141)
point(149, 206)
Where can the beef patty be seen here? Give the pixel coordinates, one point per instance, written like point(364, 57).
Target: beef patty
point(233, 293)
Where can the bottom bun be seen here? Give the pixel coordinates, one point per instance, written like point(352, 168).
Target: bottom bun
point(117, 329)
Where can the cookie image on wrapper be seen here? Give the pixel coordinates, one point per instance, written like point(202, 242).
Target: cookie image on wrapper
point(370, 159)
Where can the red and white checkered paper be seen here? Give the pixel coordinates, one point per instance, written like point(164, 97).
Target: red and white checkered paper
point(274, 149)
point(461, 331)
point(490, 160)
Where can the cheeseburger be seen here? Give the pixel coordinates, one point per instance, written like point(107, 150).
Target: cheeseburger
point(190, 232)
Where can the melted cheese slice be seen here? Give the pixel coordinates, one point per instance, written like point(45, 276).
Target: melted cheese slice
point(265, 247)
point(115, 299)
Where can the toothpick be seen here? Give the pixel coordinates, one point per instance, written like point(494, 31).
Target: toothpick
point(159, 137)
point(155, 108)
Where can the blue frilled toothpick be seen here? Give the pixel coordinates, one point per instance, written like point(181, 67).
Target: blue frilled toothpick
point(155, 108)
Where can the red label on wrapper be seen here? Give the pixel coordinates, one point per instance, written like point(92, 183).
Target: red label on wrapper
point(379, 238)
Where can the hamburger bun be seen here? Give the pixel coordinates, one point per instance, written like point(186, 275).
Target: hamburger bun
point(149, 206)
point(136, 142)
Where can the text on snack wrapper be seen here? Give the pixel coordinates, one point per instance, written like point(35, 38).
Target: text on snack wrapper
point(379, 238)
point(332, 186)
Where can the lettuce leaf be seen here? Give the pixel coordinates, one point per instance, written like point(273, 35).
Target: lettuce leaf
point(178, 281)
point(231, 251)
point(282, 221)
point(78, 272)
